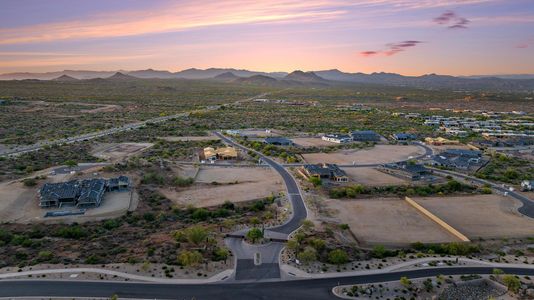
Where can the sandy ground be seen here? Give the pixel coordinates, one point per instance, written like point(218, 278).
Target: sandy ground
point(234, 184)
point(372, 177)
point(120, 151)
point(102, 108)
point(185, 171)
point(439, 149)
point(311, 142)
point(387, 221)
point(378, 154)
point(486, 216)
point(143, 269)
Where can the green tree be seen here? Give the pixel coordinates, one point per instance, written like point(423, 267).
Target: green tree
point(71, 163)
point(318, 244)
point(196, 234)
point(307, 256)
point(512, 283)
point(255, 234)
point(307, 225)
point(221, 253)
point(405, 282)
point(29, 182)
point(292, 245)
point(338, 257)
point(316, 181)
point(189, 258)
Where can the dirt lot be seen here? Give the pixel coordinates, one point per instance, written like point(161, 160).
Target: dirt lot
point(311, 142)
point(372, 177)
point(387, 221)
point(115, 152)
point(233, 184)
point(260, 133)
point(376, 155)
point(486, 216)
point(441, 148)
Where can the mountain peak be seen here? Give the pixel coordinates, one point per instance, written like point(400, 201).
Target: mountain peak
point(299, 75)
point(121, 76)
point(65, 78)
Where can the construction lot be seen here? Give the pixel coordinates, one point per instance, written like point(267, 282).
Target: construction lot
point(116, 152)
point(306, 142)
point(379, 154)
point(485, 216)
point(215, 185)
point(372, 177)
point(387, 221)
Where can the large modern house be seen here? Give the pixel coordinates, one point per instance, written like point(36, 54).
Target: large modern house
point(325, 171)
point(278, 141)
point(457, 158)
point(406, 169)
point(80, 193)
point(337, 138)
point(365, 136)
point(404, 136)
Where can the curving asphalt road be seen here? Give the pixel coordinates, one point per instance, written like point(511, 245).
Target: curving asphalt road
point(295, 289)
point(244, 253)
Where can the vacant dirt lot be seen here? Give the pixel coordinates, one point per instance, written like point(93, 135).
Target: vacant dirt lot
point(233, 184)
point(486, 216)
point(115, 152)
point(306, 142)
point(376, 155)
point(372, 177)
point(387, 222)
point(260, 133)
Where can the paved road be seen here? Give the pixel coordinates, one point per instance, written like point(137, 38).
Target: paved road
point(244, 254)
point(280, 290)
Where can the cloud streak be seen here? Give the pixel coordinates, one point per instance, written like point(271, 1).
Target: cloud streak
point(452, 20)
point(392, 48)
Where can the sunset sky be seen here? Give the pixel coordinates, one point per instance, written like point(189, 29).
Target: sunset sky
point(411, 37)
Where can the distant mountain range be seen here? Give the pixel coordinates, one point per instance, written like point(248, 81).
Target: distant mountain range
point(519, 82)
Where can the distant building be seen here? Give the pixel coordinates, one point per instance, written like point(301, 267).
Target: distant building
point(80, 193)
point(404, 136)
point(223, 153)
point(408, 170)
point(365, 136)
point(278, 141)
point(337, 138)
point(527, 185)
point(457, 158)
point(325, 171)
